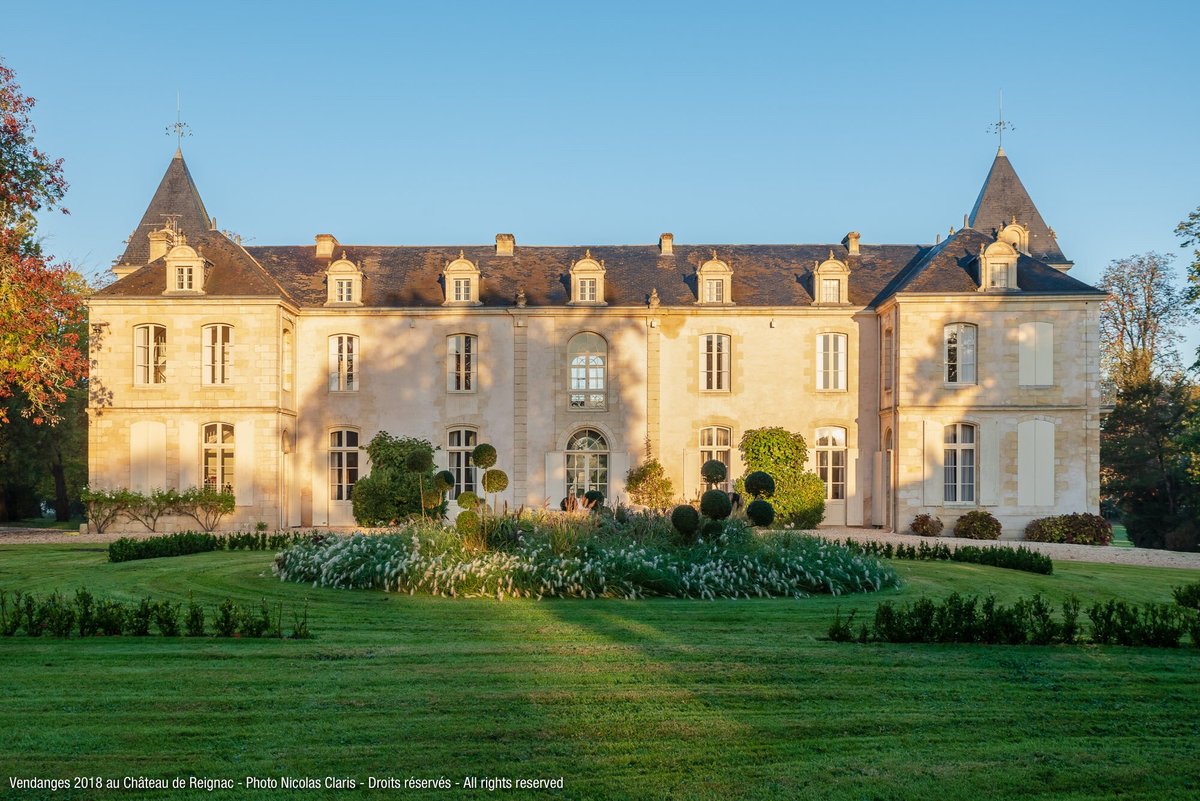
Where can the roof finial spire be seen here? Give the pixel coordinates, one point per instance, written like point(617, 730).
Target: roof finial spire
point(1001, 125)
point(180, 128)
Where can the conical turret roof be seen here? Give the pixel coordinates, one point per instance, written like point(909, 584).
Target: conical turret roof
point(1004, 198)
point(176, 197)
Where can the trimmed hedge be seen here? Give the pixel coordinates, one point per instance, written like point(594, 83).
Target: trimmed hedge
point(1076, 529)
point(977, 525)
point(1020, 558)
point(128, 549)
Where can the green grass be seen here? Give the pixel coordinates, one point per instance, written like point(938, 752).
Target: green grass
point(1121, 537)
point(641, 700)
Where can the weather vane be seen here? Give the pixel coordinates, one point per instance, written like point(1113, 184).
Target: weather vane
point(180, 128)
point(1001, 125)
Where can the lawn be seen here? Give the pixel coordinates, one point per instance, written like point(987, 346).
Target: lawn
point(641, 700)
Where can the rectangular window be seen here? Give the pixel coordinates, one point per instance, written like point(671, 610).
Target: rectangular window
point(715, 443)
point(831, 361)
point(217, 457)
point(714, 363)
point(149, 354)
point(343, 363)
point(958, 463)
point(960, 353)
point(714, 290)
point(460, 444)
point(999, 276)
point(460, 363)
point(344, 290)
point(217, 354)
point(462, 290)
point(885, 367)
point(587, 290)
point(831, 290)
point(183, 277)
point(343, 464)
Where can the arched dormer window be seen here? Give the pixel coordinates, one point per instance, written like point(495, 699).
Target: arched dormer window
point(461, 278)
point(831, 279)
point(997, 267)
point(587, 282)
point(185, 271)
point(1016, 235)
point(714, 279)
point(343, 281)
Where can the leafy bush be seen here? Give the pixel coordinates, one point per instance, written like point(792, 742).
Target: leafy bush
point(443, 481)
point(1188, 595)
point(206, 505)
point(1020, 558)
point(712, 529)
point(484, 456)
point(149, 508)
point(925, 525)
point(194, 620)
point(784, 564)
point(111, 617)
point(468, 500)
point(166, 618)
point(648, 485)
point(103, 507)
point(760, 512)
point(686, 520)
point(59, 615)
point(1078, 529)
point(394, 491)
point(182, 543)
point(759, 484)
point(255, 624)
point(713, 471)
point(141, 617)
point(594, 498)
point(1156, 625)
point(85, 612)
point(799, 497)
point(715, 504)
point(225, 621)
point(977, 525)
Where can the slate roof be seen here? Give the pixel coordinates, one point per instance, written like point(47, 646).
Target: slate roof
point(1002, 198)
point(411, 276)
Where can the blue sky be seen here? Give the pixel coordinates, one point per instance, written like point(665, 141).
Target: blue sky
point(432, 123)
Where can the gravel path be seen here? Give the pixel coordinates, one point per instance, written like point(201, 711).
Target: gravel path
point(1072, 553)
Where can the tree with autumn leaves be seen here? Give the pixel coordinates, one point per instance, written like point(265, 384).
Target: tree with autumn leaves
point(43, 360)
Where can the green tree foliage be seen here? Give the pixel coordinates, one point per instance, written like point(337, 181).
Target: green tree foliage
point(799, 498)
point(1189, 232)
point(393, 491)
point(1141, 321)
point(648, 485)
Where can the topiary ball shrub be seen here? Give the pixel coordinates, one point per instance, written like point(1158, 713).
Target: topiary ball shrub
point(713, 471)
point(686, 520)
point(432, 498)
point(977, 525)
point(760, 484)
point(760, 512)
point(444, 481)
point(594, 498)
point(927, 526)
point(483, 456)
point(495, 481)
point(715, 505)
point(712, 529)
point(467, 500)
point(467, 523)
point(419, 460)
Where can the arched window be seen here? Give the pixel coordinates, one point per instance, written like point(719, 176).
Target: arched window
point(714, 362)
point(343, 363)
point(587, 462)
point(460, 362)
point(958, 463)
point(217, 456)
point(343, 463)
point(959, 340)
point(831, 361)
point(459, 444)
point(587, 356)
point(217, 356)
point(149, 354)
point(287, 361)
point(715, 443)
point(831, 461)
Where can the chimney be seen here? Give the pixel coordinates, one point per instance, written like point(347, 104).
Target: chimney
point(159, 243)
point(666, 244)
point(122, 270)
point(326, 244)
point(851, 242)
point(505, 243)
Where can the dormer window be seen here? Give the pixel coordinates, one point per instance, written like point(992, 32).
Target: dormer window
point(831, 280)
point(461, 278)
point(587, 282)
point(1016, 235)
point(998, 267)
point(185, 270)
point(344, 281)
point(713, 282)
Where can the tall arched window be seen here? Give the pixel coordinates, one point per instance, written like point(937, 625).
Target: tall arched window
point(958, 463)
point(150, 354)
point(343, 463)
point(587, 357)
point(459, 444)
point(217, 456)
point(217, 354)
point(714, 362)
point(461, 351)
point(587, 462)
point(343, 363)
point(959, 340)
point(831, 461)
point(715, 443)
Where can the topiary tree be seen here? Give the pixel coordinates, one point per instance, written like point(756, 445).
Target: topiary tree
point(443, 481)
point(467, 526)
point(760, 512)
point(715, 504)
point(713, 471)
point(648, 485)
point(484, 456)
point(712, 529)
point(468, 500)
point(420, 461)
point(494, 482)
point(759, 484)
point(686, 521)
point(799, 496)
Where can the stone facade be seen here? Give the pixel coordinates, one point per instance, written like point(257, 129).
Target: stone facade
point(248, 380)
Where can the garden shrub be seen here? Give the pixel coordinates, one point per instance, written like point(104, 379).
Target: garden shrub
point(467, 500)
point(799, 497)
point(85, 612)
point(484, 456)
point(373, 499)
point(140, 618)
point(977, 525)
point(255, 624)
point(1019, 558)
point(1077, 529)
point(59, 615)
point(166, 618)
point(182, 543)
point(393, 491)
point(648, 485)
point(226, 619)
point(594, 498)
point(713, 471)
point(715, 504)
point(925, 525)
point(194, 620)
point(206, 505)
point(759, 484)
point(1046, 529)
point(712, 529)
point(686, 520)
point(147, 509)
point(103, 507)
point(760, 512)
point(1188, 595)
point(111, 617)
point(495, 481)
point(443, 481)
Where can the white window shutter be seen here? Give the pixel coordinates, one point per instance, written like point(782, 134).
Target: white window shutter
point(244, 462)
point(139, 454)
point(935, 480)
point(988, 459)
point(854, 505)
point(618, 466)
point(156, 465)
point(1026, 462)
point(189, 454)
point(1045, 354)
point(691, 473)
point(1044, 492)
point(334, 378)
point(1027, 354)
point(556, 477)
point(877, 488)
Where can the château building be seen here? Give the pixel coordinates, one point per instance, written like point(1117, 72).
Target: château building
point(925, 378)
